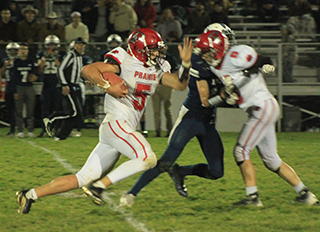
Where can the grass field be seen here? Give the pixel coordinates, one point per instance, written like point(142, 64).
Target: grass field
point(27, 163)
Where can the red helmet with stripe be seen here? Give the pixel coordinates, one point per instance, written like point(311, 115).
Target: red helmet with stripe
point(142, 42)
point(214, 45)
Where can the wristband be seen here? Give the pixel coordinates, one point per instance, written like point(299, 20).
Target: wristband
point(215, 100)
point(186, 65)
point(184, 71)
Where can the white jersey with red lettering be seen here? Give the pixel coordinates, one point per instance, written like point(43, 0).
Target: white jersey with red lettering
point(253, 89)
point(258, 102)
point(141, 82)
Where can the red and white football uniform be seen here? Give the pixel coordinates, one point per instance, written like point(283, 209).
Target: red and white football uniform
point(258, 102)
point(117, 133)
point(141, 82)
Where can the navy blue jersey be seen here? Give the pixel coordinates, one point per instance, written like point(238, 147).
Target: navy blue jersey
point(7, 74)
point(7, 71)
point(200, 71)
point(50, 69)
point(20, 70)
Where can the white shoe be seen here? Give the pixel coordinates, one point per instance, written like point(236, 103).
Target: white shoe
point(127, 200)
point(20, 135)
point(308, 198)
point(31, 135)
point(76, 134)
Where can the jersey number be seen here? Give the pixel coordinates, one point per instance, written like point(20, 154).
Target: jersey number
point(50, 68)
point(140, 95)
point(24, 75)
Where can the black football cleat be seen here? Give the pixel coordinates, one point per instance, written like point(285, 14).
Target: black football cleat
point(252, 199)
point(178, 180)
point(94, 194)
point(24, 202)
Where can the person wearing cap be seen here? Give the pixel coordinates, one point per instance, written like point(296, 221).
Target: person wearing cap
point(28, 29)
point(76, 28)
point(69, 74)
point(52, 27)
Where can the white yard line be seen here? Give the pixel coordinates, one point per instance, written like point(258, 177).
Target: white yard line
point(111, 203)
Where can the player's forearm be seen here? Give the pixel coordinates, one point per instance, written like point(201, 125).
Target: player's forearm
point(172, 80)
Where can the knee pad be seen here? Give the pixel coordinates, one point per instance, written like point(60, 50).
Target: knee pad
point(151, 161)
point(163, 166)
point(274, 167)
point(84, 177)
point(238, 153)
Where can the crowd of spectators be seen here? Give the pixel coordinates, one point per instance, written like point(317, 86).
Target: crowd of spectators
point(95, 20)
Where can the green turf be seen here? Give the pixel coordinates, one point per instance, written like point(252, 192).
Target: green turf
point(25, 163)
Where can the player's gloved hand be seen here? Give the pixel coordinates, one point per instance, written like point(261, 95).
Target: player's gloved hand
point(232, 99)
point(268, 68)
point(228, 94)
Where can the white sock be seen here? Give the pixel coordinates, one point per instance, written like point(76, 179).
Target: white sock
point(31, 194)
point(250, 190)
point(99, 184)
point(299, 187)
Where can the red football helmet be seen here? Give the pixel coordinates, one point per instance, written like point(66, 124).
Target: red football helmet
point(142, 42)
point(214, 44)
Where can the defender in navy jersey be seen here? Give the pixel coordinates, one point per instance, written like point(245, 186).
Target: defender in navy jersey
point(6, 64)
point(23, 75)
point(196, 119)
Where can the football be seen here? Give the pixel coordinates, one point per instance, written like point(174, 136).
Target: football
point(113, 79)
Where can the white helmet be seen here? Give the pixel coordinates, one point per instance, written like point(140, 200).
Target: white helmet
point(114, 38)
point(223, 28)
point(12, 46)
point(52, 39)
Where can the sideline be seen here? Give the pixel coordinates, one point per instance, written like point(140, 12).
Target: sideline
point(111, 203)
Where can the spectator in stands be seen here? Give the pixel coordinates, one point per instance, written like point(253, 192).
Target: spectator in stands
point(304, 24)
point(52, 27)
point(28, 29)
point(98, 21)
point(168, 25)
point(298, 7)
point(124, 18)
point(23, 75)
point(146, 13)
point(164, 4)
point(289, 52)
point(198, 19)
point(15, 10)
point(76, 28)
point(218, 15)
point(267, 11)
point(83, 6)
point(8, 29)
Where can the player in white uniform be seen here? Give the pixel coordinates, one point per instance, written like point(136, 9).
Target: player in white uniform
point(244, 84)
point(142, 67)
